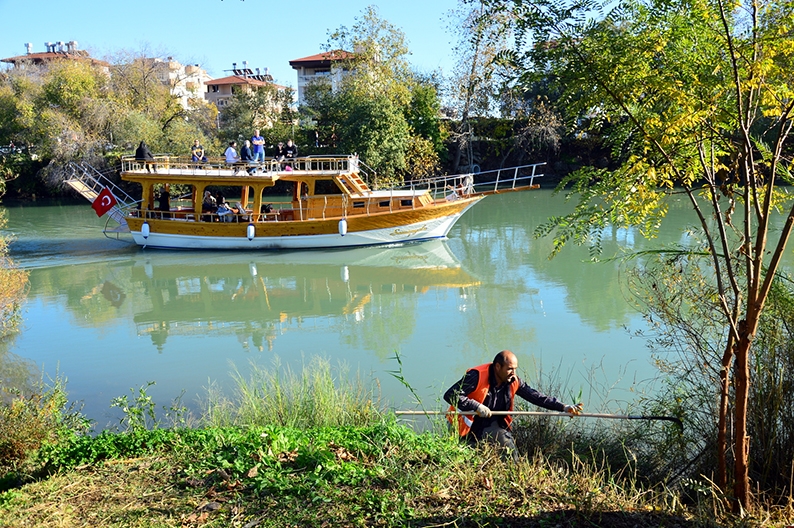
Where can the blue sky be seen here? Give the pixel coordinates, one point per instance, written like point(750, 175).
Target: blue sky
point(216, 33)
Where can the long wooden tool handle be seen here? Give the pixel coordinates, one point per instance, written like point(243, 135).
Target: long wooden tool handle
point(546, 413)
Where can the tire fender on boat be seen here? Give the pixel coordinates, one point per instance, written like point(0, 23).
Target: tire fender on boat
point(343, 227)
point(145, 230)
point(250, 232)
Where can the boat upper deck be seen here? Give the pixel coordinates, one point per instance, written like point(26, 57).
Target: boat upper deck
point(320, 166)
point(181, 169)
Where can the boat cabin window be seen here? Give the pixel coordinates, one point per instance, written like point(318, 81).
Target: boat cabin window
point(304, 190)
point(322, 187)
point(231, 194)
point(358, 205)
point(384, 203)
point(407, 203)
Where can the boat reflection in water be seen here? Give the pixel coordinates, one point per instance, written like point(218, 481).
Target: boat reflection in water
point(259, 297)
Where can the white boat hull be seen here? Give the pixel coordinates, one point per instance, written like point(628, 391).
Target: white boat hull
point(425, 230)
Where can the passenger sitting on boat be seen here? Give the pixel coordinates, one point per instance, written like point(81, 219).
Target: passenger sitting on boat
point(241, 211)
point(247, 156)
point(291, 150)
point(267, 212)
point(225, 213)
point(208, 205)
point(144, 155)
point(457, 192)
point(231, 153)
point(197, 152)
point(278, 156)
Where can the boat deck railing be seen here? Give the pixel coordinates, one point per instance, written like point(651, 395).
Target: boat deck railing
point(185, 166)
point(472, 184)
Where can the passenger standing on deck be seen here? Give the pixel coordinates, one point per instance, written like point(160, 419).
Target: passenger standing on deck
point(164, 204)
point(290, 152)
point(259, 147)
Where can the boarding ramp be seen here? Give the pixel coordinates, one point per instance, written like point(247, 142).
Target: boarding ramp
point(89, 182)
point(452, 187)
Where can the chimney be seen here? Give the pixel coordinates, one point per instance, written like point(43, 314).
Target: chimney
point(74, 45)
point(60, 46)
point(257, 72)
point(48, 45)
point(29, 47)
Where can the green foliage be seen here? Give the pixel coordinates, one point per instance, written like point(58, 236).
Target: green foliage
point(376, 129)
point(71, 109)
point(691, 95)
point(378, 109)
point(13, 284)
point(771, 416)
point(265, 109)
point(73, 449)
point(69, 86)
point(314, 397)
point(139, 412)
point(29, 421)
point(424, 114)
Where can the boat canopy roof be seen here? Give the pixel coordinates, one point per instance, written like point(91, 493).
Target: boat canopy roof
point(178, 169)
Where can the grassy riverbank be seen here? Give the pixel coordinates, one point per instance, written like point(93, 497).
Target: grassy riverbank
point(378, 475)
point(326, 457)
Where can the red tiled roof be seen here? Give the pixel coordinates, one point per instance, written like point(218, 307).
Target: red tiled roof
point(326, 56)
point(240, 79)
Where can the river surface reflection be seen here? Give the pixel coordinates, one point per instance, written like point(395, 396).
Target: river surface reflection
point(110, 316)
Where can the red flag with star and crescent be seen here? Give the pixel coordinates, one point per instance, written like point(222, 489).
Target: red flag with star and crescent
point(104, 202)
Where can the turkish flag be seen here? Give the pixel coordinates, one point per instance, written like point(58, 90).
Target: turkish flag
point(104, 202)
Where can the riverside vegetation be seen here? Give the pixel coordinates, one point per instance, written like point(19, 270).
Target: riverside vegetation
point(315, 449)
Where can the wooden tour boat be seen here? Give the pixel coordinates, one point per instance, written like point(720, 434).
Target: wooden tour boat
point(328, 203)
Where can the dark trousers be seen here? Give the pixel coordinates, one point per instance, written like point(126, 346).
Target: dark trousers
point(499, 436)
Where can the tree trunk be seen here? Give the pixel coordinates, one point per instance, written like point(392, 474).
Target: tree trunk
point(741, 486)
point(722, 425)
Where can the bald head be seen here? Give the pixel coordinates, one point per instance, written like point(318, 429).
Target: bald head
point(504, 366)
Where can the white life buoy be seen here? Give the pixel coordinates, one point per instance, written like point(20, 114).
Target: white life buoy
point(145, 230)
point(250, 232)
point(343, 227)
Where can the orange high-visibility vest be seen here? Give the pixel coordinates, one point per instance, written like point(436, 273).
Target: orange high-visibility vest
point(478, 394)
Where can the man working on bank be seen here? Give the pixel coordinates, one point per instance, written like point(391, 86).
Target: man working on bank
point(493, 387)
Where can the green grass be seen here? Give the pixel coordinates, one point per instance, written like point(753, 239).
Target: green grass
point(317, 396)
point(383, 474)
